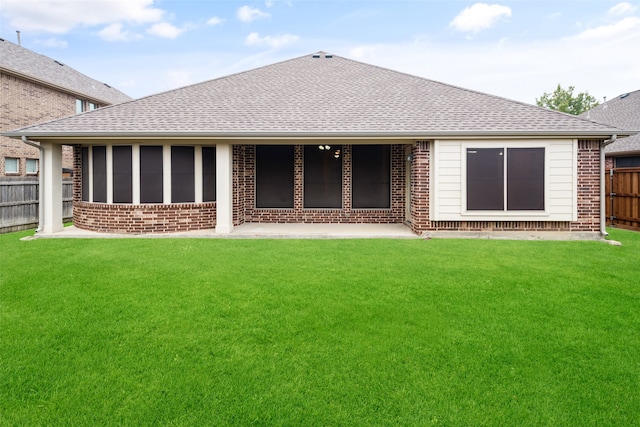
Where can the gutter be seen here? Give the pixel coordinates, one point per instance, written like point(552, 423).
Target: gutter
point(40, 181)
point(268, 136)
point(603, 209)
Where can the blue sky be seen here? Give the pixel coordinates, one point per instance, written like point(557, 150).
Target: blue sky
point(518, 49)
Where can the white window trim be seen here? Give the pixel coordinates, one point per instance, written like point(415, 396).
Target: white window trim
point(26, 167)
point(13, 172)
point(492, 215)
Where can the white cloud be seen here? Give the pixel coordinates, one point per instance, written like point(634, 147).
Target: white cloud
point(623, 8)
point(479, 17)
point(165, 30)
point(275, 42)
point(113, 33)
point(215, 21)
point(630, 25)
point(53, 42)
point(60, 16)
point(520, 70)
point(250, 14)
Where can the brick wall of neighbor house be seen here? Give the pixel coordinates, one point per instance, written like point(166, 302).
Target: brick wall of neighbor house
point(609, 163)
point(22, 103)
point(588, 198)
point(344, 215)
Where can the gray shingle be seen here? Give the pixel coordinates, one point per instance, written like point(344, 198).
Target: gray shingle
point(18, 60)
point(320, 96)
point(623, 112)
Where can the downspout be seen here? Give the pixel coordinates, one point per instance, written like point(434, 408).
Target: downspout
point(40, 181)
point(603, 208)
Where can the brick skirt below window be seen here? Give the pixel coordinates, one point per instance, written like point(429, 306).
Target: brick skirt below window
point(120, 218)
point(500, 226)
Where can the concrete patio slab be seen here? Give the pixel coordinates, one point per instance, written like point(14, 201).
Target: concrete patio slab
point(263, 231)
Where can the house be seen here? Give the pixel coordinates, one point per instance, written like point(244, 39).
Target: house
point(325, 139)
point(35, 88)
point(623, 112)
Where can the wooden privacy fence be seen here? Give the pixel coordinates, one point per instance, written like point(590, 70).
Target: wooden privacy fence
point(623, 198)
point(19, 203)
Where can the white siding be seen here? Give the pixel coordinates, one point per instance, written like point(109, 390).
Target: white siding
point(449, 181)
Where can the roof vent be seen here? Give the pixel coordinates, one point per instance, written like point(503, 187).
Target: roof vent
point(58, 62)
point(316, 55)
point(107, 85)
point(328, 55)
point(624, 95)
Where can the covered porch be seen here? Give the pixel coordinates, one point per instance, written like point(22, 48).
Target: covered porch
point(213, 186)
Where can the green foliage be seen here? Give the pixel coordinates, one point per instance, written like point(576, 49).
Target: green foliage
point(187, 332)
point(564, 100)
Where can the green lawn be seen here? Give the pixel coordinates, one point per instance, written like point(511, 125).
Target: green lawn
point(190, 332)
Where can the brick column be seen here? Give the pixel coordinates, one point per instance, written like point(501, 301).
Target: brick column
point(588, 187)
point(420, 187)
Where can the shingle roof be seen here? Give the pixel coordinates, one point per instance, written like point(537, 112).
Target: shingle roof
point(20, 61)
point(623, 112)
point(320, 95)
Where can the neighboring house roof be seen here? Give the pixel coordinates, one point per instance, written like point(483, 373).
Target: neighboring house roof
point(22, 62)
point(623, 112)
point(320, 95)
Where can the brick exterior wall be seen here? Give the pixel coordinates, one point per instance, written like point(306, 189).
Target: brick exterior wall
point(588, 198)
point(420, 182)
point(24, 103)
point(123, 218)
point(299, 214)
point(145, 218)
point(588, 186)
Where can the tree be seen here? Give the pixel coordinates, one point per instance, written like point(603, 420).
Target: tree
point(564, 100)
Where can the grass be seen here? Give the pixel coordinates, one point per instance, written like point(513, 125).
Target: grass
point(183, 332)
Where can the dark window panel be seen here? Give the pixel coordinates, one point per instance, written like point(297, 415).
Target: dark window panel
point(182, 174)
point(323, 176)
point(151, 188)
point(628, 162)
point(122, 174)
point(371, 176)
point(485, 179)
point(100, 174)
point(525, 179)
point(85, 174)
point(208, 174)
point(274, 176)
